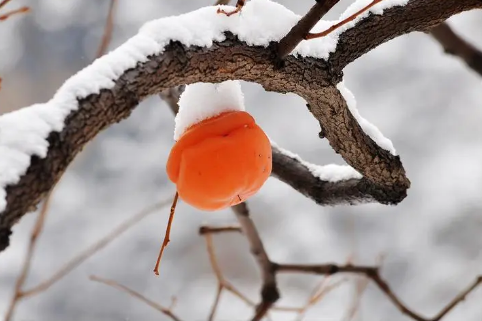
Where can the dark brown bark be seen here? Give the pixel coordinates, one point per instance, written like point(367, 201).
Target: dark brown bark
point(315, 80)
point(454, 45)
point(417, 15)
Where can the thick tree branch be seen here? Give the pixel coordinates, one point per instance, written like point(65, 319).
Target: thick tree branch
point(416, 15)
point(314, 80)
point(455, 45)
point(352, 191)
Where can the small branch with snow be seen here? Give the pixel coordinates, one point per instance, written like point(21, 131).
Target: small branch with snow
point(329, 184)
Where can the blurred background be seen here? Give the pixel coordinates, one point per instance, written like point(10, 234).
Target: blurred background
point(427, 102)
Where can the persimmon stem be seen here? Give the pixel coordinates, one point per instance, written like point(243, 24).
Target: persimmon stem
point(239, 7)
point(341, 23)
point(167, 234)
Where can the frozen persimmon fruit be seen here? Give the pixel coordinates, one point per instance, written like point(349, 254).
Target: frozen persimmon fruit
point(220, 161)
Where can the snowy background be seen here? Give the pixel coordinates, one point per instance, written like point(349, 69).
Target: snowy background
point(428, 103)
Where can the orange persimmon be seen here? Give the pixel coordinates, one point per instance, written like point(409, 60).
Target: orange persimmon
point(220, 161)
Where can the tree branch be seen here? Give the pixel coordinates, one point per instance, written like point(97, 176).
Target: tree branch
point(269, 289)
point(303, 27)
point(416, 15)
point(455, 45)
point(351, 191)
point(313, 79)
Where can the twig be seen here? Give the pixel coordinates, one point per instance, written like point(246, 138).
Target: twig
point(7, 15)
point(3, 3)
point(224, 284)
point(220, 229)
point(374, 274)
point(222, 2)
point(453, 44)
point(269, 289)
point(137, 295)
point(343, 22)
point(109, 27)
point(318, 293)
point(360, 285)
point(96, 247)
point(37, 230)
point(167, 234)
point(303, 27)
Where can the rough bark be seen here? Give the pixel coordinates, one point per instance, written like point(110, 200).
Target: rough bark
point(315, 80)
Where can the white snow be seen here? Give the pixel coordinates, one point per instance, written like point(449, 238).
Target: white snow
point(330, 173)
point(24, 133)
point(369, 129)
point(205, 100)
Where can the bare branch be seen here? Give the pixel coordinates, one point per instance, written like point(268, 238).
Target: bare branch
point(269, 290)
point(352, 191)
point(453, 44)
point(218, 229)
point(109, 27)
point(312, 79)
point(303, 27)
point(94, 248)
point(37, 230)
point(416, 15)
point(137, 295)
point(374, 274)
point(7, 15)
point(222, 2)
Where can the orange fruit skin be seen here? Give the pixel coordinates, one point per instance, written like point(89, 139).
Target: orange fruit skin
point(221, 161)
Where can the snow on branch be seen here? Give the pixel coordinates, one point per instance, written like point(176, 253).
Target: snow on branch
point(38, 142)
point(24, 133)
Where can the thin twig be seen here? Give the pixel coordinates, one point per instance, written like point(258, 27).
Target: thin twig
point(269, 289)
point(3, 3)
point(7, 15)
point(374, 274)
point(108, 29)
point(218, 229)
point(343, 22)
point(222, 2)
point(94, 248)
point(224, 284)
point(37, 230)
point(303, 27)
point(453, 44)
point(361, 285)
point(318, 293)
point(167, 234)
point(137, 295)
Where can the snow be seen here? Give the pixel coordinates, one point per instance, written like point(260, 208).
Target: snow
point(206, 100)
point(330, 173)
point(369, 129)
point(24, 133)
